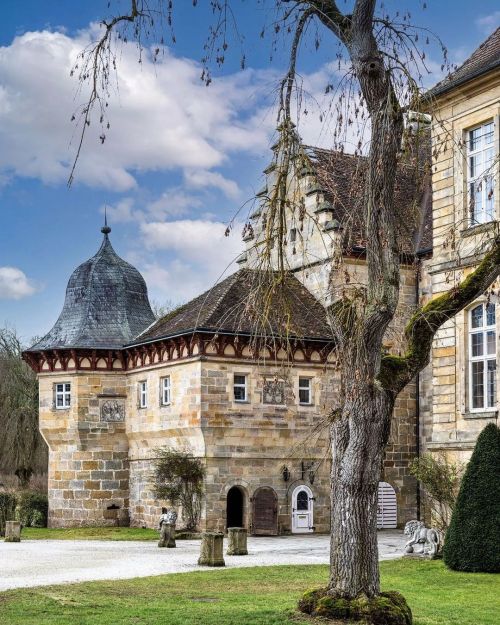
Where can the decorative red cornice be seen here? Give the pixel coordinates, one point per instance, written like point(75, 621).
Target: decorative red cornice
point(194, 345)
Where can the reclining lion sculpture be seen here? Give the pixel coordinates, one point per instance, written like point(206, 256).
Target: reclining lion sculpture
point(424, 541)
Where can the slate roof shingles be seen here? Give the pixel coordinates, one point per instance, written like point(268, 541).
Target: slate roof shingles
point(482, 60)
point(231, 306)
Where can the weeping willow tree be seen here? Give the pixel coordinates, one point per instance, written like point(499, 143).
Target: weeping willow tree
point(382, 59)
point(22, 448)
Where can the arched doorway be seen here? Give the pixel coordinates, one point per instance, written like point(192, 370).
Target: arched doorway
point(387, 508)
point(302, 510)
point(235, 507)
point(265, 512)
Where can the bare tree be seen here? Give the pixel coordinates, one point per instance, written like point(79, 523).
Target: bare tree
point(22, 448)
point(384, 64)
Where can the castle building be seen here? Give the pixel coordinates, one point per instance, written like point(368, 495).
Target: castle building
point(244, 375)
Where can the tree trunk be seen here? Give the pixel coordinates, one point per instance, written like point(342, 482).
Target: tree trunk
point(358, 438)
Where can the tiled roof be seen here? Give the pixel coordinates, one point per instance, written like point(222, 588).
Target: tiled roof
point(244, 303)
point(342, 177)
point(481, 61)
point(106, 305)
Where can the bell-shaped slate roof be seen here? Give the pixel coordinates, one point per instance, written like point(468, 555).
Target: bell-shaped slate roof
point(106, 305)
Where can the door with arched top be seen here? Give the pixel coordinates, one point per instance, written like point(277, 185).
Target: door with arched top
point(265, 512)
point(302, 510)
point(387, 508)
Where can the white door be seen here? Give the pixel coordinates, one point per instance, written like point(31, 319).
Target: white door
point(387, 509)
point(302, 510)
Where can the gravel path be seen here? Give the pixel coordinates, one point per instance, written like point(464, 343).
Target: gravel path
point(45, 562)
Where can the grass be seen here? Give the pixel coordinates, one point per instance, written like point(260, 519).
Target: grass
point(253, 596)
point(90, 533)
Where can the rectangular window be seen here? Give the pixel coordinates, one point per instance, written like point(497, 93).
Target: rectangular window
point(240, 387)
point(305, 394)
point(63, 395)
point(165, 390)
point(143, 394)
point(482, 357)
point(293, 235)
point(480, 173)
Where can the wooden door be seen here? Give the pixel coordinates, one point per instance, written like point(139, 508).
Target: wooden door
point(265, 512)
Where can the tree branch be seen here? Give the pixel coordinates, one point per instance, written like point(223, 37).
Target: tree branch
point(396, 372)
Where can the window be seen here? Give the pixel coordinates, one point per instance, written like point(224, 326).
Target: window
point(305, 395)
point(293, 235)
point(240, 387)
point(482, 357)
point(165, 391)
point(480, 159)
point(143, 394)
point(63, 395)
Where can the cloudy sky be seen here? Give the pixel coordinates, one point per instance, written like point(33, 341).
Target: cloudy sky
point(180, 160)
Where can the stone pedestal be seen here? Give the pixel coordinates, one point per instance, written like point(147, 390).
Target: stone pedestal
point(12, 532)
point(211, 549)
point(237, 541)
point(167, 535)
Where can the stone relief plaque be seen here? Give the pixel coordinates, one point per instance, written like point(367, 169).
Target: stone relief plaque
point(112, 410)
point(273, 392)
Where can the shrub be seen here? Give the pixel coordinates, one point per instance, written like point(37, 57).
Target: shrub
point(32, 509)
point(178, 478)
point(8, 503)
point(439, 479)
point(473, 539)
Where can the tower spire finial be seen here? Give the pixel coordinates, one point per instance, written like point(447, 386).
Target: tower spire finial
point(105, 229)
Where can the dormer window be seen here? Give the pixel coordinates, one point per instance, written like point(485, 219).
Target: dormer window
point(63, 395)
point(480, 173)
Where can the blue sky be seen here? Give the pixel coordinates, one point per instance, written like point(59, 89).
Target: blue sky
point(179, 160)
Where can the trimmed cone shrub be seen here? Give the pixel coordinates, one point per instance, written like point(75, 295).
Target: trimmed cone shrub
point(32, 509)
point(473, 538)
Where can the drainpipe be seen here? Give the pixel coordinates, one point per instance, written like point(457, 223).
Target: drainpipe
point(417, 395)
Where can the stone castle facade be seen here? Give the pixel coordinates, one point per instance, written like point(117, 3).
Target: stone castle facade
point(115, 384)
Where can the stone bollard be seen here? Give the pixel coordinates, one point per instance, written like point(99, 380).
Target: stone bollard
point(211, 549)
point(237, 541)
point(167, 535)
point(12, 532)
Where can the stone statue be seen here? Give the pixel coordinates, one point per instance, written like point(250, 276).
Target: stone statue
point(166, 526)
point(423, 541)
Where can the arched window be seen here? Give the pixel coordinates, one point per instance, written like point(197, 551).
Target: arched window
point(302, 500)
point(482, 357)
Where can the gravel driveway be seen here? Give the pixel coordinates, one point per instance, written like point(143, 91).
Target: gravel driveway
point(44, 562)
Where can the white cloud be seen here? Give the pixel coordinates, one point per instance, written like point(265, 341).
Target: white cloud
point(162, 116)
point(202, 179)
point(197, 254)
point(488, 23)
point(14, 284)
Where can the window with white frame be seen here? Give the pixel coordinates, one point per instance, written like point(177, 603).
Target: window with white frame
point(240, 387)
point(482, 357)
point(143, 394)
point(165, 390)
point(305, 391)
point(480, 173)
point(63, 395)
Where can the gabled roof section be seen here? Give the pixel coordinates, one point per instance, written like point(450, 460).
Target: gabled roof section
point(248, 302)
point(483, 60)
point(342, 177)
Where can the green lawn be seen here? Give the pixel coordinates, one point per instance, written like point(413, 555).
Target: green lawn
point(91, 533)
point(253, 596)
